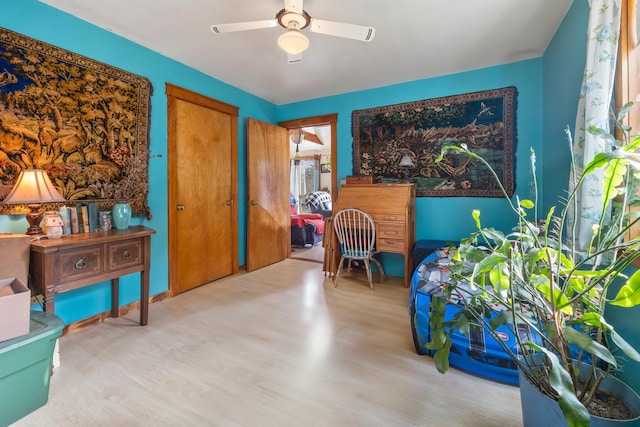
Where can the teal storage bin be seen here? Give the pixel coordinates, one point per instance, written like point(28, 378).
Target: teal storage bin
point(25, 367)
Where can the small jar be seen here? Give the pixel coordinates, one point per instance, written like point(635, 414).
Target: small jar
point(52, 224)
point(104, 220)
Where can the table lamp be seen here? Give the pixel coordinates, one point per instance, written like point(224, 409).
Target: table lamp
point(32, 188)
point(406, 163)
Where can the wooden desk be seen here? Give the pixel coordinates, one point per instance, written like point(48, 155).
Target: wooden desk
point(77, 260)
point(392, 207)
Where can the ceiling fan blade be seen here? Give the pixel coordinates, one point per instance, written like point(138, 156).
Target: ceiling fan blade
point(312, 137)
point(339, 29)
point(243, 26)
point(293, 6)
point(294, 59)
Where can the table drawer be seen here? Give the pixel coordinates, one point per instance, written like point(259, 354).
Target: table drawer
point(123, 255)
point(390, 231)
point(78, 264)
point(389, 245)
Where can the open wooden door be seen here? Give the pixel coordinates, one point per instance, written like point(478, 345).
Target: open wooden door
point(268, 221)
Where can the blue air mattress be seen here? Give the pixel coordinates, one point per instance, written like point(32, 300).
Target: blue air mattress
point(478, 353)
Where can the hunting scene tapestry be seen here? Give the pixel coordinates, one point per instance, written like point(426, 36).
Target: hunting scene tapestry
point(86, 123)
point(399, 143)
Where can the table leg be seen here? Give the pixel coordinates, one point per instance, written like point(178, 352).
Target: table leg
point(144, 282)
point(408, 269)
point(144, 297)
point(48, 299)
point(115, 300)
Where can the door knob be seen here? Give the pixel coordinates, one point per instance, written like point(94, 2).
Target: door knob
point(180, 207)
point(254, 202)
point(228, 203)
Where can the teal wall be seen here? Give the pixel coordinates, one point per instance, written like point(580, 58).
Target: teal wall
point(39, 21)
point(564, 62)
point(443, 218)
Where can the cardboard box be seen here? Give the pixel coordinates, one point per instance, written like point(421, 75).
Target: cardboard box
point(15, 250)
point(15, 300)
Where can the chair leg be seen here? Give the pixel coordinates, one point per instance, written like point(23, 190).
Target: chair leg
point(379, 268)
point(335, 278)
point(368, 268)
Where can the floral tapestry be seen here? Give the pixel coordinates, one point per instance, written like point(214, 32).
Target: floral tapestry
point(85, 122)
point(399, 143)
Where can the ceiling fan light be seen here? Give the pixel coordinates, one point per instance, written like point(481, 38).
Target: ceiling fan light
point(293, 42)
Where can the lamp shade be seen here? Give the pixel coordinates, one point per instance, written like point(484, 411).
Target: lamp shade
point(407, 161)
point(296, 136)
point(33, 186)
point(293, 42)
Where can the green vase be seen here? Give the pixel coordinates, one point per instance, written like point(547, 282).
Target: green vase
point(121, 215)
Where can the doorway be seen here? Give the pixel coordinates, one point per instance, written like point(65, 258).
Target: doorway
point(313, 147)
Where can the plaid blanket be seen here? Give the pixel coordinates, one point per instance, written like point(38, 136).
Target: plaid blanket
point(319, 199)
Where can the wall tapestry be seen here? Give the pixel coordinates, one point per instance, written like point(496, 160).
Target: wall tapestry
point(399, 143)
point(86, 123)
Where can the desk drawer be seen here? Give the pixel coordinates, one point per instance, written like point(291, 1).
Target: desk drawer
point(390, 231)
point(389, 245)
point(79, 264)
point(122, 255)
point(393, 217)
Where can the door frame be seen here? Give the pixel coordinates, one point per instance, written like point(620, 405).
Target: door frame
point(327, 119)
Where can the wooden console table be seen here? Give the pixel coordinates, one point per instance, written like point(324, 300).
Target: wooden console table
point(392, 207)
point(77, 260)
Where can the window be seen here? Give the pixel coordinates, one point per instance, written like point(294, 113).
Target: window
point(628, 72)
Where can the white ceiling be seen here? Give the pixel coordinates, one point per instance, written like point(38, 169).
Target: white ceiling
point(415, 39)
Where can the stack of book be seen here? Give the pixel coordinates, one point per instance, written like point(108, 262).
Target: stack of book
point(79, 218)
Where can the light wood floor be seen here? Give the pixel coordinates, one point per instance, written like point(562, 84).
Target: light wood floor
point(277, 347)
point(315, 253)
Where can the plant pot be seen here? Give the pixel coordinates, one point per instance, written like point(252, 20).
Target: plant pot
point(539, 409)
point(121, 215)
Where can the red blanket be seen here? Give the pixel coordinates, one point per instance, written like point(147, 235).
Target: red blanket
point(301, 220)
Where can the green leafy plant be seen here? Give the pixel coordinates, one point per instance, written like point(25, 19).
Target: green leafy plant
point(537, 276)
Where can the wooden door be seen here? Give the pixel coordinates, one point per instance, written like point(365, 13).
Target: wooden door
point(202, 156)
point(268, 221)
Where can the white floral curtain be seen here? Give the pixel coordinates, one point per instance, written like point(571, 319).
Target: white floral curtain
point(593, 109)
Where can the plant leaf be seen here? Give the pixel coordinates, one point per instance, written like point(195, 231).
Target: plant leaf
point(499, 320)
point(622, 113)
point(613, 178)
point(476, 217)
point(626, 348)
point(527, 204)
point(596, 320)
point(585, 342)
point(575, 414)
point(499, 276)
point(441, 357)
point(561, 300)
point(629, 294)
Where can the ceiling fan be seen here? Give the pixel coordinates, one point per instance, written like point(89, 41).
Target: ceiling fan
point(294, 19)
point(298, 135)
